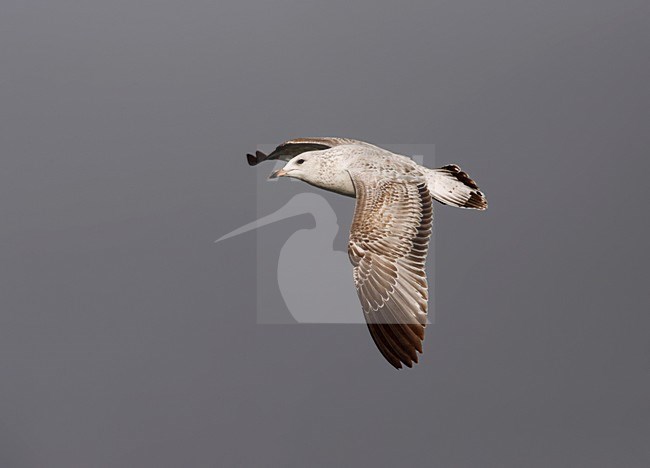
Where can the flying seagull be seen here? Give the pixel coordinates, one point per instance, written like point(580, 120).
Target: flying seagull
point(390, 231)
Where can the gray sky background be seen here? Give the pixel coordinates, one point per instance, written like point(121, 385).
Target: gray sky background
point(127, 338)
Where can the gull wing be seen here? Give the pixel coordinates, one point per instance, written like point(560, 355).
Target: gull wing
point(388, 246)
point(291, 148)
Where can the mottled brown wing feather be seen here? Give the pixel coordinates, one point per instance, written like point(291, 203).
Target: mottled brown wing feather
point(388, 246)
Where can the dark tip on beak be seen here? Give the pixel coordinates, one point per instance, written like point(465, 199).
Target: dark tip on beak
point(252, 160)
point(278, 173)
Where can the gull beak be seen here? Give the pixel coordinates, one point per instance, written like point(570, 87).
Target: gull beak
point(278, 173)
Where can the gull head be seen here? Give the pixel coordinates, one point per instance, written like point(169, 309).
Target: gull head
point(324, 169)
point(304, 166)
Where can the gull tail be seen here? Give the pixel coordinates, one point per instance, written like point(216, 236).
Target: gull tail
point(451, 186)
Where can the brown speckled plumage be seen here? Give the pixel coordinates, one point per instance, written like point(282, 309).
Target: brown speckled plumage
point(388, 249)
point(390, 232)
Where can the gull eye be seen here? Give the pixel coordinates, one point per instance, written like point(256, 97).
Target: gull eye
point(300, 161)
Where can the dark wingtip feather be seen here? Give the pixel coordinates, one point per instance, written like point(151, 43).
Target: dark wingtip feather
point(382, 345)
point(258, 157)
point(396, 347)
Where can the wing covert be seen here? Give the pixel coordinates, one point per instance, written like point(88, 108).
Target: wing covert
point(388, 246)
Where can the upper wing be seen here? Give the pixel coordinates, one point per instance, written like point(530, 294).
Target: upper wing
point(291, 148)
point(286, 151)
point(296, 146)
point(388, 248)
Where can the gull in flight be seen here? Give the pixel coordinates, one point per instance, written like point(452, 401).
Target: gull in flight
point(390, 231)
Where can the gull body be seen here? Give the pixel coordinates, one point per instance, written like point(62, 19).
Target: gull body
point(390, 231)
